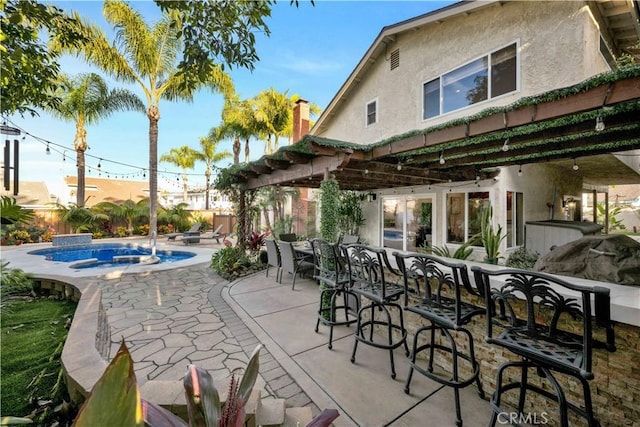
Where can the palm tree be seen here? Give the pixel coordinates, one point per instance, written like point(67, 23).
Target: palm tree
point(185, 158)
point(209, 155)
point(128, 211)
point(147, 56)
point(80, 218)
point(272, 112)
point(178, 216)
point(238, 119)
point(85, 100)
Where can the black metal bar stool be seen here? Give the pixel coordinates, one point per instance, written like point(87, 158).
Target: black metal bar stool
point(367, 273)
point(532, 309)
point(331, 272)
point(433, 289)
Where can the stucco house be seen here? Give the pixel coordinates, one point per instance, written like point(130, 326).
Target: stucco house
point(514, 103)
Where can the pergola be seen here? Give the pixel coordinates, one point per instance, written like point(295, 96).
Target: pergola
point(556, 127)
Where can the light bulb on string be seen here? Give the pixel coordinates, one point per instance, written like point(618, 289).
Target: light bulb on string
point(442, 161)
point(575, 165)
point(520, 171)
point(599, 124)
point(48, 150)
point(505, 146)
point(399, 167)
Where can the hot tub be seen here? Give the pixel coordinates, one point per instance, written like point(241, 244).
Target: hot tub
point(541, 236)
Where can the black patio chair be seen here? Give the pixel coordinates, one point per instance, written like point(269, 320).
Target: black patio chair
point(335, 295)
point(433, 289)
point(368, 279)
point(533, 311)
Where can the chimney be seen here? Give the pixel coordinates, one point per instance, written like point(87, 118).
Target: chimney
point(300, 120)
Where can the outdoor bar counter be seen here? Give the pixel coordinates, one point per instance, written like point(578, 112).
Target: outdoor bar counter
point(615, 390)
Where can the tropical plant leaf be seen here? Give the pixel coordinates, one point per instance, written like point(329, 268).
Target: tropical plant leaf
point(115, 398)
point(203, 401)
point(250, 375)
point(8, 421)
point(155, 415)
point(12, 213)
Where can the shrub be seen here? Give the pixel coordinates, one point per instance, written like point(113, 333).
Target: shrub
point(522, 258)
point(142, 230)
point(165, 229)
point(13, 281)
point(229, 261)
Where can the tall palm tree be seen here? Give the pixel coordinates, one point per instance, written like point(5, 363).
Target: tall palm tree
point(272, 112)
point(148, 56)
point(209, 154)
point(85, 100)
point(238, 118)
point(185, 158)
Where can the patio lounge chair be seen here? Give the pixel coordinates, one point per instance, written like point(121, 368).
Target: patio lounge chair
point(194, 237)
point(195, 228)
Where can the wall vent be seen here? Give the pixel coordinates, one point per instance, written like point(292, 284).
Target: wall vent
point(395, 59)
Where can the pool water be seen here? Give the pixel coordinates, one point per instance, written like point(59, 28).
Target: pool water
point(102, 255)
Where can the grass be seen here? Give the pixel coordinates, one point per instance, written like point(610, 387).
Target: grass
point(33, 334)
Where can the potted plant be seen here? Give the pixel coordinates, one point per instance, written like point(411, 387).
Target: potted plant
point(491, 238)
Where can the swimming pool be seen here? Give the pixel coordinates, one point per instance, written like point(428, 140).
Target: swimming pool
point(108, 255)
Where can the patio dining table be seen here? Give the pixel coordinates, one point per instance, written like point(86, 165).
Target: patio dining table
point(304, 249)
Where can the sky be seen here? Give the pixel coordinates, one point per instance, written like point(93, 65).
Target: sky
point(311, 51)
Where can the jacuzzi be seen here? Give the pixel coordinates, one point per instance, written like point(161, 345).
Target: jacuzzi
point(541, 236)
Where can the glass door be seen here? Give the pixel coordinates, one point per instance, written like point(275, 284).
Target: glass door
point(419, 223)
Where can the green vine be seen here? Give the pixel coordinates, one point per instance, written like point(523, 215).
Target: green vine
point(329, 202)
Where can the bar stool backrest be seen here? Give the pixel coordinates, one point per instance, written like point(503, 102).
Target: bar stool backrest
point(329, 268)
point(367, 266)
point(533, 308)
point(433, 280)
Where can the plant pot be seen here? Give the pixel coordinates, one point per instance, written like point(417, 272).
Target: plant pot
point(493, 261)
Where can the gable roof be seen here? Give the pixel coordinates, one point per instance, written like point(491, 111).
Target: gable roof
point(31, 193)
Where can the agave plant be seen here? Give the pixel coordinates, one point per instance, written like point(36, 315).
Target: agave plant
point(491, 238)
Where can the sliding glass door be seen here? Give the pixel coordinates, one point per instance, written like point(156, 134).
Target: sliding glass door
point(408, 222)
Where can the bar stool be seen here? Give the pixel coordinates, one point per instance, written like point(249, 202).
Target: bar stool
point(335, 294)
point(367, 274)
point(432, 289)
point(531, 310)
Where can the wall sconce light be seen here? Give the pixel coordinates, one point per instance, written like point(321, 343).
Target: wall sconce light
point(371, 197)
point(599, 124)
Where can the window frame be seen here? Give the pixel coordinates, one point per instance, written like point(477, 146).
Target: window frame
point(487, 55)
point(465, 214)
point(404, 198)
point(367, 114)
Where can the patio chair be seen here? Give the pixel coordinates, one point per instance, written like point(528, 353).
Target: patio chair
point(195, 228)
point(348, 239)
point(273, 257)
point(194, 237)
point(367, 277)
point(433, 289)
point(335, 295)
point(288, 237)
point(533, 311)
point(291, 263)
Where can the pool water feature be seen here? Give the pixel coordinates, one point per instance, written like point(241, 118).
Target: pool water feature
point(108, 255)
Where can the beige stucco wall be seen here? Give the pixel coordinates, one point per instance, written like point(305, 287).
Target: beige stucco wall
point(558, 45)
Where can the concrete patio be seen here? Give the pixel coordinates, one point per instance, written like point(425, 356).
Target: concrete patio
point(170, 317)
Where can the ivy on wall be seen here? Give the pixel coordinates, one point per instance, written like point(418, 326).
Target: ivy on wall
point(329, 201)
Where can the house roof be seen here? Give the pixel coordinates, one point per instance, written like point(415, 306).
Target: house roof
point(32, 193)
point(618, 19)
point(109, 190)
point(556, 126)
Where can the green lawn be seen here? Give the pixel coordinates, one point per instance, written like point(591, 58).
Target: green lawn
point(33, 333)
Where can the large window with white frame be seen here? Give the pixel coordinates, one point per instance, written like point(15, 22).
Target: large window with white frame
point(464, 212)
point(484, 78)
point(408, 222)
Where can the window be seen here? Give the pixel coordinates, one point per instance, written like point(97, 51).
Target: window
point(464, 212)
point(515, 219)
point(407, 222)
point(484, 78)
point(371, 113)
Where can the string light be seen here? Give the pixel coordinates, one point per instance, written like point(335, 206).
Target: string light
point(505, 146)
point(399, 167)
point(48, 151)
point(520, 170)
point(366, 171)
point(442, 161)
point(599, 124)
point(575, 165)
